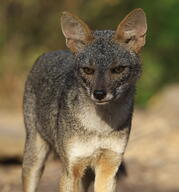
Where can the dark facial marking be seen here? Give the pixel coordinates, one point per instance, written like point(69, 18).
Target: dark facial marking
point(88, 70)
point(117, 70)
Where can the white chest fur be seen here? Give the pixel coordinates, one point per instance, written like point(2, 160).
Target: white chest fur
point(103, 136)
point(91, 121)
point(82, 149)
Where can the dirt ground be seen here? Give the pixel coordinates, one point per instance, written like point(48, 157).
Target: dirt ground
point(152, 155)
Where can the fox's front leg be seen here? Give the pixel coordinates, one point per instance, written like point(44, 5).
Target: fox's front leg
point(106, 169)
point(71, 178)
point(35, 154)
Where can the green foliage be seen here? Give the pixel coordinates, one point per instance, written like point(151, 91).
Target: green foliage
point(28, 28)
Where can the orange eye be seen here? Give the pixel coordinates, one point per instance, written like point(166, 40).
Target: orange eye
point(88, 71)
point(118, 69)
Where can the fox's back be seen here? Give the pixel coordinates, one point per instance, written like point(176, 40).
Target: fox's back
point(47, 85)
point(49, 69)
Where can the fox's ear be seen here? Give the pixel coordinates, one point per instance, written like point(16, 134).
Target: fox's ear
point(76, 32)
point(132, 30)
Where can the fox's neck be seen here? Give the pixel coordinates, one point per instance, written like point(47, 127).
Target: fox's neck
point(114, 113)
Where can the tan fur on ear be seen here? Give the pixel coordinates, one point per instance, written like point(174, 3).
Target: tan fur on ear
point(132, 30)
point(76, 32)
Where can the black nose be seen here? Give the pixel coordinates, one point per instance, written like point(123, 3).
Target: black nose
point(99, 94)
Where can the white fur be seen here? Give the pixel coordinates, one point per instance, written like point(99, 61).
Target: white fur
point(102, 139)
point(91, 120)
point(82, 149)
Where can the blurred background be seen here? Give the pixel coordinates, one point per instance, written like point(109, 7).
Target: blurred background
point(29, 28)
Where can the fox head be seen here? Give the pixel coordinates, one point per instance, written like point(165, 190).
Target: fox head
point(107, 61)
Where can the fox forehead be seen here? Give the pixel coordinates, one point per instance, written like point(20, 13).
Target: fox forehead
point(104, 52)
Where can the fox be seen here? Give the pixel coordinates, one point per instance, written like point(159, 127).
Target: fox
point(79, 103)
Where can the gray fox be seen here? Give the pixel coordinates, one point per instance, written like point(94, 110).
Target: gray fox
point(79, 103)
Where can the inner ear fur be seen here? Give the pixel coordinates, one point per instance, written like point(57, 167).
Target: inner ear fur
point(76, 32)
point(132, 30)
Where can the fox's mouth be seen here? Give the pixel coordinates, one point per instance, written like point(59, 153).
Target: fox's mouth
point(102, 102)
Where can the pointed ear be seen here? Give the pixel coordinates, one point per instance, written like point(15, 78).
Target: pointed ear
point(76, 32)
point(132, 30)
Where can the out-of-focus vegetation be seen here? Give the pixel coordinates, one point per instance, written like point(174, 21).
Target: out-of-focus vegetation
point(30, 27)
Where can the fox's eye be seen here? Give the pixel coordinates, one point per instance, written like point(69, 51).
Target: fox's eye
point(88, 71)
point(118, 69)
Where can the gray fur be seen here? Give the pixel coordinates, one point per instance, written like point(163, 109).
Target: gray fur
point(55, 93)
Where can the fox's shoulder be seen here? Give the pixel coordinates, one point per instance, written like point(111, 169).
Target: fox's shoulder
point(51, 64)
point(58, 54)
point(60, 58)
point(51, 68)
